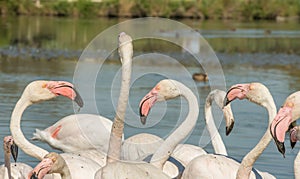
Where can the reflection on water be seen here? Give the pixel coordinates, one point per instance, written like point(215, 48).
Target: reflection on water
point(75, 34)
point(279, 72)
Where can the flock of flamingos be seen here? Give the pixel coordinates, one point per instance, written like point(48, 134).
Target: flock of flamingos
point(94, 147)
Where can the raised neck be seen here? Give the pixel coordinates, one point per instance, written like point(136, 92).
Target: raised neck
point(115, 142)
point(215, 136)
point(249, 160)
point(168, 146)
point(15, 128)
point(7, 161)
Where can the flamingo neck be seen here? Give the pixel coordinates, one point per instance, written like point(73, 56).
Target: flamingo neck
point(115, 142)
point(65, 173)
point(216, 139)
point(15, 128)
point(168, 146)
point(249, 160)
point(7, 161)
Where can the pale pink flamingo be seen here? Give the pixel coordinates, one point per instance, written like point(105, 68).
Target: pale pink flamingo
point(141, 145)
point(220, 166)
point(38, 91)
point(10, 170)
point(164, 90)
point(288, 114)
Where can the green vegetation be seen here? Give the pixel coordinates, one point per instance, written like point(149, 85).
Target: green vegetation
point(204, 9)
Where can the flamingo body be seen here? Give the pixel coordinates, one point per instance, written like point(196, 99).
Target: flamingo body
point(77, 132)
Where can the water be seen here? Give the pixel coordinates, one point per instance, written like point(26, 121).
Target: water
point(278, 71)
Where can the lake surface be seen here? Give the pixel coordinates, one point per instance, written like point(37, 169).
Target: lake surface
point(35, 48)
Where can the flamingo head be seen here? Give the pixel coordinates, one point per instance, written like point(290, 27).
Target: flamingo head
point(10, 147)
point(51, 163)
point(45, 90)
point(164, 90)
point(254, 92)
point(287, 114)
point(228, 118)
point(125, 46)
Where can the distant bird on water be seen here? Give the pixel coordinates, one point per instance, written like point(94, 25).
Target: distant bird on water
point(200, 77)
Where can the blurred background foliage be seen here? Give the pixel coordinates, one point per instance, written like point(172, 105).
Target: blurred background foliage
point(202, 9)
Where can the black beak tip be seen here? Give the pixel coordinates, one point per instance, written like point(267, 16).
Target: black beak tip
point(229, 128)
point(280, 147)
point(78, 100)
point(226, 101)
point(143, 119)
point(14, 151)
point(293, 144)
point(34, 176)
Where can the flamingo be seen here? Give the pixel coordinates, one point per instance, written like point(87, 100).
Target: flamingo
point(16, 170)
point(286, 117)
point(287, 114)
point(294, 137)
point(164, 90)
point(220, 166)
point(141, 145)
point(38, 91)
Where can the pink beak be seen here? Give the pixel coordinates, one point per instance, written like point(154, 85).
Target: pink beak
point(237, 91)
point(280, 125)
point(41, 169)
point(146, 103)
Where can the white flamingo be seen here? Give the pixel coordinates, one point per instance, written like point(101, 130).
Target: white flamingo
point(220, 166)
point(38, 91)
point(288, 114)
point(141, 145)
point(12, 170)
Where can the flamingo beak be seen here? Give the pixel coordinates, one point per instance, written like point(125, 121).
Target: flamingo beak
point(41, 169)
point(229, 128)
point(228, 118)
point(145, 105)
point(279, 127)
point(66, 89)
point(14, 151)
point(34, 176)
point(237, 91)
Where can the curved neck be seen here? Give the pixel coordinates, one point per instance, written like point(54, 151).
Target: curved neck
point(15, 128)
point(297, 166)
point(216, 138)
point(65, 173)
point(7, 161)
point(115, 142)
point(248, 161)
point(168, 146)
